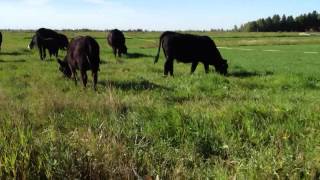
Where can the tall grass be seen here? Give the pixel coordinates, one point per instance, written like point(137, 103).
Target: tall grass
point(261, 121)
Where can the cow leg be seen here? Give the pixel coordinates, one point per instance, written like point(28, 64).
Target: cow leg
point(171, 68)
point(74, 73)
point(54, 53)
point(119, 53)
point(42, 56)
point(84, 78)
point(50, 53)
point(168, 67)
point(114, 52)
point(40, 53)
point(206, 68)
point(44, 53)
point(194, 67)
point(95, 79)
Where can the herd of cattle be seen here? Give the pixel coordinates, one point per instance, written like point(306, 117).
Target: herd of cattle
point(83, 52)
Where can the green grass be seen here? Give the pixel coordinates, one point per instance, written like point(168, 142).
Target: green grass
point(261, 121)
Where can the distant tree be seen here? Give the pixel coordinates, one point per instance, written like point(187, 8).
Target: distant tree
point(269, 24)
point(276, 23)
point(284, 24)
point(304, 22)
point(261, 23)
point(313, 21)
point(235, 28)
point(291, 24)
point(300, 23)
point(318, 23)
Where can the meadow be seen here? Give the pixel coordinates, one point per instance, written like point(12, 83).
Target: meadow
point(260, 121)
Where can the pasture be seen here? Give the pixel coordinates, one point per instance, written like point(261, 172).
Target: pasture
point(261, 121)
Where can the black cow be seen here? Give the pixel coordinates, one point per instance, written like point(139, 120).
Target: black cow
point(0, 40)
point(37, 41)
point(51, 44)
point(63, 41)
point(48, 39)
point(83, 54)
point(193, 49)
point(48, 33)
point(117, 41)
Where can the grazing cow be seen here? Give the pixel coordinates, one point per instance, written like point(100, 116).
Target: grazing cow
point(0, 40)
point(83, 54)
point(117, 41)
point(48, 33)
point(37, 41)
point(189, 48)
point(50, 43)
point(63, 41)
point(49, 39)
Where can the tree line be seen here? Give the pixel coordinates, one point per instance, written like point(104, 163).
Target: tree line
point(276, 23)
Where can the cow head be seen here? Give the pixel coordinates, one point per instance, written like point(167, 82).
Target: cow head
point(222, 67)
point(32, 43)
point(64, 68)
point(124, 50)
point(63, 42)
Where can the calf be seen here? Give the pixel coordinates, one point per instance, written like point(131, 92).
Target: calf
point(83, 54)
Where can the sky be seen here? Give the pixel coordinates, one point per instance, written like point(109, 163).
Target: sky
point(144, 14)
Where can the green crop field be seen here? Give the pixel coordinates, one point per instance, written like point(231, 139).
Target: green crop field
point(260, 121)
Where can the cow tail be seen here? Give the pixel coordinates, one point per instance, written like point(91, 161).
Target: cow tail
point(89, 52)
point(156, 59)
point(99, 60)
point(88, 59)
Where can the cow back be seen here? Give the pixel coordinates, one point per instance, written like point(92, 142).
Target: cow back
point(116, 38)
point(44, 33)
point(83, 52)
point(186, 47)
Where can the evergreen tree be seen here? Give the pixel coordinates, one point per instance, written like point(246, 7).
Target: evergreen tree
point(305, 22)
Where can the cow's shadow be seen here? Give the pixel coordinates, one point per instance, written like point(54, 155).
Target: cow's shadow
point(20, 52)
point(13, 61)
point(140, 85)
point(177, 99)
point(248, 74)
point(137, 55)
point(103, 62)
point(51, 59)
point(14, 53)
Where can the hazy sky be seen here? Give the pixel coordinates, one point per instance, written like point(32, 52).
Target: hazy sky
point(145, 14)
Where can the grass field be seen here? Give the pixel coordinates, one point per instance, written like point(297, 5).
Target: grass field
point(261, 121)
